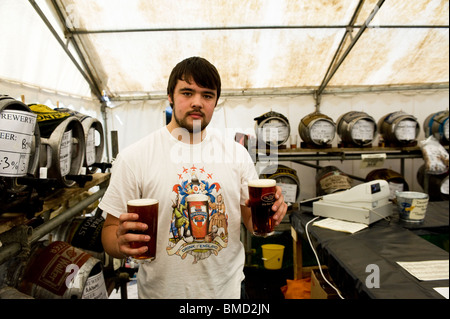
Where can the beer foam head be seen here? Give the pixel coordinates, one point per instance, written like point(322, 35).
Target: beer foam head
point(197, 198)
point(142, 202)
point(262, 183)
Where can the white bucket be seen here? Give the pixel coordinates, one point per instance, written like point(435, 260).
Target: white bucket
point(412, 206)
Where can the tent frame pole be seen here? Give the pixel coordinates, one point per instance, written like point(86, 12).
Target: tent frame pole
point(334, 66)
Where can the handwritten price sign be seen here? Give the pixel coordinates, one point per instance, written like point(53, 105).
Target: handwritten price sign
point(16, 134)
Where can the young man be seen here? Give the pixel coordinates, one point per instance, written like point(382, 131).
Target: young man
point(178, 160)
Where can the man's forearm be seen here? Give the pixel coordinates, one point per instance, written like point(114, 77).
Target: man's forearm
point(109, 241)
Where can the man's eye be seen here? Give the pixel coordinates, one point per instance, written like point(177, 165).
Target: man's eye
point(187, 93)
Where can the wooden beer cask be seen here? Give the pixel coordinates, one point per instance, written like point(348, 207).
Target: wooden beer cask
point(284, 175)
point(395, 180)
point(272, 129)
point(330, 179)
point(437, 184)
point(399, 129)
point(437, 125)
point(61, 271)
point(20, 143)
point(317, 130)
point(12, 293)
point(91, 127)
point(62, 144)
point(356, 129)
point(83, 233)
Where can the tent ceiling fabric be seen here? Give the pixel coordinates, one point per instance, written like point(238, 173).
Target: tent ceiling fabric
point(131, 46)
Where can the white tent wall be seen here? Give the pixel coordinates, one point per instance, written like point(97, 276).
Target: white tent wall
point(36, 95)
point(297, 44)
point(30, 54)
point(134, 120)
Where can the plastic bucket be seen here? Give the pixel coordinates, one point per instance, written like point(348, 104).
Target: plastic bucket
point(272, 256)
point(412, 206)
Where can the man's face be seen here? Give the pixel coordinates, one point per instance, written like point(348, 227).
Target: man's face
point(193, 106)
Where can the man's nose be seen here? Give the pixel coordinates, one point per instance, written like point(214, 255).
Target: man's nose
point(197, 101)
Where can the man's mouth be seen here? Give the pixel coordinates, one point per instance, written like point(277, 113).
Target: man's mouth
point(196, 115)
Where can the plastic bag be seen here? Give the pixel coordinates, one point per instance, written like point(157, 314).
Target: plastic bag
point(297, 289)
point(435, 156)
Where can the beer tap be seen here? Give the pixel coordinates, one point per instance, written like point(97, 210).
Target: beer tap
point(79, 179)
point(102, 166)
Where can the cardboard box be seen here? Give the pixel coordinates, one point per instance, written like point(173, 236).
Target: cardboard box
point(320, 289)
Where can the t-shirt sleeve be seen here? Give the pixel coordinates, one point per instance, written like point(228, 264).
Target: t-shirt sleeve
point(123, 186)
point(248, 172)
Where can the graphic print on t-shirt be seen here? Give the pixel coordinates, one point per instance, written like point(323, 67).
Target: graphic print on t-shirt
point(199, 225)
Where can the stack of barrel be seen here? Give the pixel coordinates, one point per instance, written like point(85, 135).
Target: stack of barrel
point(67, 143)
point(39, 144)
point(58, 147)
point(354, 128)
point(19, 154)
point(436, 185)
point(54, 270)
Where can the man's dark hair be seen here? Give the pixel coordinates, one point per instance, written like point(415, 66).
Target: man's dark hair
point(198, 69)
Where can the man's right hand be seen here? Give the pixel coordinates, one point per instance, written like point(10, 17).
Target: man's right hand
point(117, 235)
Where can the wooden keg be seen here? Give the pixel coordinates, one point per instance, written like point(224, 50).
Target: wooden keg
point(19, 140)
point(61, 271)
point(330, 179)
point(12, 293)
point(287, 178)
point(91, 127)
point(82, 232)
point(436, 124)
point(272, 129)
point(356, 129)
point(437, 184)
point(62, 144)
point(317, 130)
point(395, 180)
point(399, 128)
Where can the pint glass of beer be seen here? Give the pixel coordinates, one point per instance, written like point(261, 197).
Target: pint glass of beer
point(262, 197)
point(198, 212)
point(147, 209)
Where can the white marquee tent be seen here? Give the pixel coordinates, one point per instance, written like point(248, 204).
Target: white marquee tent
point(111, 59)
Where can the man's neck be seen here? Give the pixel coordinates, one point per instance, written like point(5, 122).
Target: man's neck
point(183, 135)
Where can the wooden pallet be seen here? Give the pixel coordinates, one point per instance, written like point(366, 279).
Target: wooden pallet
point(57, 202)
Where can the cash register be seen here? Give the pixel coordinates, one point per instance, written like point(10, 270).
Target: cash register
point(365, 203)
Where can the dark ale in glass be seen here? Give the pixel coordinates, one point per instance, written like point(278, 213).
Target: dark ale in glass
point(262, 197)
point(147, 209)
point(198, 212)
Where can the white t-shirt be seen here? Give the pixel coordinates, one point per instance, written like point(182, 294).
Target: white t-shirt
point(187, 265)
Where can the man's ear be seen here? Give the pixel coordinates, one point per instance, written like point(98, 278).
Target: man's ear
point(170, 101)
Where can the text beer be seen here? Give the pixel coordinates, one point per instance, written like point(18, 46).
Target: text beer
point(262, 198)
point(147, 209)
